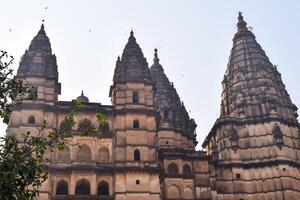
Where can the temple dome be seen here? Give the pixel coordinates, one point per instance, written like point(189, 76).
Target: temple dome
point(82, 98)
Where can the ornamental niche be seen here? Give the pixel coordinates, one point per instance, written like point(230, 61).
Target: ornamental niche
point(234, 138)
point(278, 136)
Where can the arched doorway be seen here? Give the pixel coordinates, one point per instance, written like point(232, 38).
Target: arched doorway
point(83, 187)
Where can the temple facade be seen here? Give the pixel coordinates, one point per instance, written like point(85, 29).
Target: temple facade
point(146, 147)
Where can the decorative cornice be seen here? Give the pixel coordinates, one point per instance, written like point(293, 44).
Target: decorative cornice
point(247, 121)
point(175, 153)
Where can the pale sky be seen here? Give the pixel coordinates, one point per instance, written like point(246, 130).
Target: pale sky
point(194, 39)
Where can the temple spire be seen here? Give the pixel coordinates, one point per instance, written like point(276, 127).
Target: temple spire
point(249, 66)
point(38, 58)
point(133, 66)
point(167, 100)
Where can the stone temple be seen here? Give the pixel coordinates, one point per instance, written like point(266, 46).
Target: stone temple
point(146, 148)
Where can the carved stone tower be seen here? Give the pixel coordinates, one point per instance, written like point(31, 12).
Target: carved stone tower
point(135, 126)
point(254, 143)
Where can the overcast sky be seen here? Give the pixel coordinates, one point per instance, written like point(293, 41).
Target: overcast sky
point(194, 39)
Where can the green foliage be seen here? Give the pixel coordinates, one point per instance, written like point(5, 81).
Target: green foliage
point(102, 118)
point(77, 102)
point(23, 167)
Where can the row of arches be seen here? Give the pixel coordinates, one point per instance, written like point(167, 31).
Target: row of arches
point(173, 192)
point(84, 125)
point(173, 169)
point(84, 154)
point(82, 187)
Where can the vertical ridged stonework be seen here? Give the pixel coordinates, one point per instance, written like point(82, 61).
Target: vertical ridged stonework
point(255, 142)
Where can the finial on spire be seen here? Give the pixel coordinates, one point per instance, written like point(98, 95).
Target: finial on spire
point(241, 14)
point(131, 37)
point(42, 26)
point(242, 25)
point(42, 30)
point(156, 59)
point(118, 59)
point(82, 94)
point(155, 52)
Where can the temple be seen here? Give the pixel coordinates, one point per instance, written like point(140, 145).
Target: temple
point(146, 149)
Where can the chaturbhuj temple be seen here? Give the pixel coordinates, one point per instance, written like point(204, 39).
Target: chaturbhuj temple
point(146, 147)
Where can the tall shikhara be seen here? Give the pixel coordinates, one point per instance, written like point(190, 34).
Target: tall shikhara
point(254, 143)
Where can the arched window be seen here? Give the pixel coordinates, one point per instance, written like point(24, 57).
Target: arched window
point(136, 123)
point(85, 127)
point(173, 169)
point(104, 128)
point(103, 154)
point(137, 155)
point(64, 154)
point(103, 188)
point(135, 97)
point(84, 153)
point(187, 170)
point(62, 188)
point(83, 187)
point(65, 127)
point(31, 120)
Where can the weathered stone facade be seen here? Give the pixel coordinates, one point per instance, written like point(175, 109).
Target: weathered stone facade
point(146, 149)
